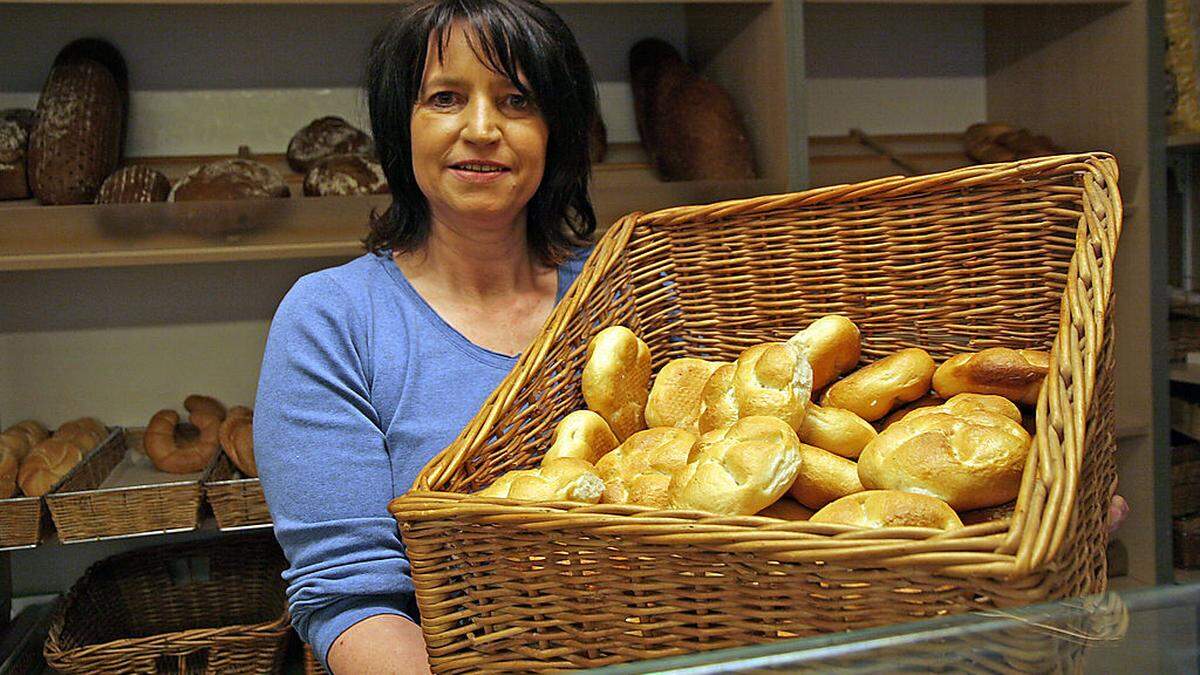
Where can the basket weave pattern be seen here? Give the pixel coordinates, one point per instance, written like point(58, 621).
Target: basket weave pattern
point(236, 501)
point(1017, 255)
point(210, 607)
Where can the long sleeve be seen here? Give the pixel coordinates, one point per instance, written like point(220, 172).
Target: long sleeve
point(325, 468)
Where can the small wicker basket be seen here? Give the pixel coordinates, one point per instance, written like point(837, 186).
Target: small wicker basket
point(208, 607)
point(237, 501)
point(1017, 255)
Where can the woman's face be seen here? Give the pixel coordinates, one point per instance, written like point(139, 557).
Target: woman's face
point(478, 144)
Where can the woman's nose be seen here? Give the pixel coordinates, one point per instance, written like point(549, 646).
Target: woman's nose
point(482, 124)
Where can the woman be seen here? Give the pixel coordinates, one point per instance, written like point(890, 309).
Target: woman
point(480, 111)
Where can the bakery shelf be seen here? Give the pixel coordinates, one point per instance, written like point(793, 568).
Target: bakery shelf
point(1180, 141)
point(844, 159)
point(35, 237)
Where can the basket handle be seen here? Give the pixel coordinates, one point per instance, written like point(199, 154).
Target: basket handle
point(1050, 486)
point(604, 256)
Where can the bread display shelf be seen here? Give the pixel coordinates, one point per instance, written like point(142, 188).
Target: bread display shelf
point(110, 495)
point(237, 501)
point(35, 237)
point(844, 159)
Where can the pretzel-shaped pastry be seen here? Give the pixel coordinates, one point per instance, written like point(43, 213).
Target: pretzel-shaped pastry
point(616, 379)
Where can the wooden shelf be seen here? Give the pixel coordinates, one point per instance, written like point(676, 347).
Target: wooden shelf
point(967, 2)
point(843, 159)
point(35, 237)
point(1180, 141)
point(370, 2)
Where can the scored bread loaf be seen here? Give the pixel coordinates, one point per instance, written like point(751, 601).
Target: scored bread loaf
point(833, 346)
point(641, 469)
point(889, 508)
point(823, 477)
point(229, 179)
point(740, 470)
point(874, 390)
point(674, 399)
point(325, 137)
point(345, 175)
point(583, 435)
point(15, 125)
point(564, 479)
point(80, 123)
point(616, 379)
point(1016, 374)
point(960, 452)
point(47, 463)
point(839, 431)
point(136, 184)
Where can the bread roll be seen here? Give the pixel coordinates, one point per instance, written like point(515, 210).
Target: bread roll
point(675, 397)
point(965, 403)
point(10, 465)
point(85, 432)
point(839, 431)
point(967, 456)
point(775, 380)
point(1015, 374)
point(823, 477)
point(325, 137)
point(927, 401)
point(16, 443)
point(871, 392)
point(833, 346)
point(46, 464)
point(740, 470)
point(200, 405)
point(135, 184)
point(22, 436)
point(236, 434)
point(889, 508)
point(345, 175)
point(180, 450)
point(616, 379)
point(583, 435)
point(229, 179)
point(787, 509)
point(718, 406)
point(564, 479)
point(640, 470)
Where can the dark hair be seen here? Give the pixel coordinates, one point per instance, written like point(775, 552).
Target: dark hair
point(509, 36)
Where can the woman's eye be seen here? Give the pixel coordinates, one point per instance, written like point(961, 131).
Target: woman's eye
point(519, 102)
point(442, 99)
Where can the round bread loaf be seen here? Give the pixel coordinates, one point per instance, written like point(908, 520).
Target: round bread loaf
point(889, 508)
point(873, 391)
point(833, 346)
point(564, 479)
point(1016, 374)
point(47, 463)
point(583, 435)
point(344, 176)
point(968, 456)
point(839, 431)
point(640, 470)
point(136, 184)
point(323, 138)
point(773, 379)
point(675, 397)
point(787, 509)
point(230, 179)
point(616, 379)
point(79, 128)
point(823, 477)
point(15, 126)
point(740, 470)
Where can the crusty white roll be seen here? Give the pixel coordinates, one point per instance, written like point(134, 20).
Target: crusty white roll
point(1015, 374)
point(889, 508)
point(787, 509)
point(640, 470)
point(582, 434)
point(823, 477)
point(969, 457)
point(874, 390)
point(31, 430)
point(616, 379)
point(46, 464)
point(740, 470)
point(10, 466)
point(565, 479)
point(964, 403)
point(833, 346)
point(773, 379)
point(718, 407)
point(838, 431)
point(898, 414)
point(675, 397)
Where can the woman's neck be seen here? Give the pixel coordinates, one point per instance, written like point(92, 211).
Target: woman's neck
point(479, 264)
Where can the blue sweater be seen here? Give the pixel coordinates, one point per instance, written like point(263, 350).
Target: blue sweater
point(362, 383)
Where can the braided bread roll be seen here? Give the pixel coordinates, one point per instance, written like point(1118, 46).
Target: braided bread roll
point(640, 470)
point(583, 435)
point(1015, 374)
point(775, 380)
point(718, 406)
point(616, 379)
point(46, 464)
point(564, 479)
point(675, 397)
point(740, 470)
point(871, 392)
point(889, 508)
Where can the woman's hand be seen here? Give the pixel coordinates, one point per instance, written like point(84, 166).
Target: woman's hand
point(1118, 510)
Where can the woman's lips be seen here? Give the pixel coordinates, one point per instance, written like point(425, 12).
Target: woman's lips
point(470, 176)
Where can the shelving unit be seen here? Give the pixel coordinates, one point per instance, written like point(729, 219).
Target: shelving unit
point(192, 310)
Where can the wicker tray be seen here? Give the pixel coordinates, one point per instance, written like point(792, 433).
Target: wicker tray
point(237, 501)
point(207, 607)
point(311, 665)
point(110, 495)
point(24, 521)
point(1016, 255)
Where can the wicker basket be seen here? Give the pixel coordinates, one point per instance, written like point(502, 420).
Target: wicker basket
point(208, 607)
point(311, 665)
point(965, 260)
point(236, 501)
point(84, 511)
